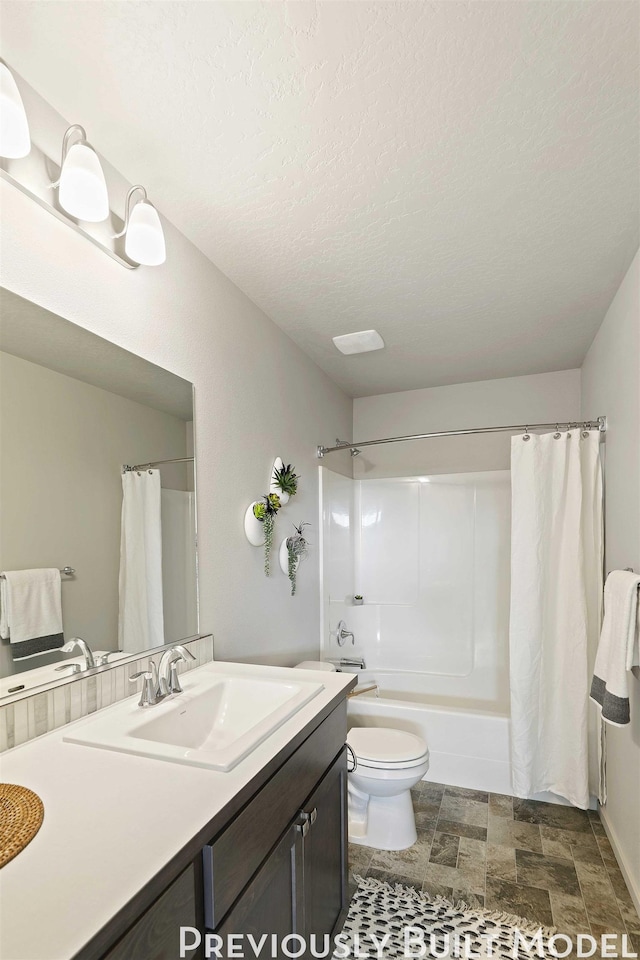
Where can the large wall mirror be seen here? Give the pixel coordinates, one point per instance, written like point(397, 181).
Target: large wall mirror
point(97, 474)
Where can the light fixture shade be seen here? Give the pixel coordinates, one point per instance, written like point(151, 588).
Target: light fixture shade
point(15, 141)
point(144, 242)
point(83, 188)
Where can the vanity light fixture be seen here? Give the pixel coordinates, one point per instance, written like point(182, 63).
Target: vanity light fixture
point(83, 197)
point(82, 188)
point(361, 342)
point(15, 141)
point(144, 241)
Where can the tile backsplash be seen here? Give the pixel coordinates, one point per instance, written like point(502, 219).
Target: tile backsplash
point(40, 713)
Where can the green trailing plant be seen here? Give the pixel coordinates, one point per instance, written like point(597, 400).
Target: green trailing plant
point(297, 550)
point(265, 510)
point(286, 479)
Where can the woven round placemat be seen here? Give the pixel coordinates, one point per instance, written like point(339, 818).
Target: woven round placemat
point(21, 816)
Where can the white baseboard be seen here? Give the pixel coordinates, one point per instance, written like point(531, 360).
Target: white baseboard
point(620, 857)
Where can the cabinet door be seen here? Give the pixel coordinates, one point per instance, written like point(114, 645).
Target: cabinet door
point(272, 903)
point(325, 851)
point(156, 935)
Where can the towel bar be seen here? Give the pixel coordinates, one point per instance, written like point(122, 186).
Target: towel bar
point(67, 571)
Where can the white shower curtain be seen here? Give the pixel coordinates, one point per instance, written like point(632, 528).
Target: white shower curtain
point(141, 620)
point(556, 589)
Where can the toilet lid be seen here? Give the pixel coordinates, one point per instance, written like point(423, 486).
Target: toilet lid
point(385, 745)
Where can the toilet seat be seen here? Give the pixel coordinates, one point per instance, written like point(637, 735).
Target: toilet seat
point(384, 748)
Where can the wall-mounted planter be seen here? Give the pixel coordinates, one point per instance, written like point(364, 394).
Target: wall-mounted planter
point(283, 558)
point(273, 487)
point(253, 528)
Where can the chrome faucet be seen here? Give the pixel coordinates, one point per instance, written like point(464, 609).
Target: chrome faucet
point(150, 688)
point(352, 662)
point(169, 682)
point(83, 647)
point(342, 634)
point(103, 659)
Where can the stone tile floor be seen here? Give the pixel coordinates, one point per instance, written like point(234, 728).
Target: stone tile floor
point(551, 864)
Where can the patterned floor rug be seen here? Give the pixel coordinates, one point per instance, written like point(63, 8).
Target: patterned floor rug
point(397, 921)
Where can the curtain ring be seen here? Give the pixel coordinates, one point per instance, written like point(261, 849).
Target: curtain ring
point(557, 434)
point(526, 435)
point(585, 431)
point(138, 472)
point(149, 471)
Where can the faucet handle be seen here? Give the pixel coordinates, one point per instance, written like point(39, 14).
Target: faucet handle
point(342, 634)
point(73, 667)
point(103, 659)
point(149, 694)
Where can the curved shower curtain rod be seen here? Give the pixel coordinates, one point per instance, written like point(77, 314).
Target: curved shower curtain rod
point(599, 424)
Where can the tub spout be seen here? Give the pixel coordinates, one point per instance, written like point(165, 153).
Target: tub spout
point(353, 662)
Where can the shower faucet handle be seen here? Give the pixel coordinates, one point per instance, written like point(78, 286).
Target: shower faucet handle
point(343, 634)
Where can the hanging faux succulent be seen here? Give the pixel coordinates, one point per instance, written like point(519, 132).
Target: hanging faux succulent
point(265, 510)
point(286, 479)
point(297, 550)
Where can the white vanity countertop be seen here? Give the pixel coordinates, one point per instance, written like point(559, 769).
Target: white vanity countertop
point(112, 821)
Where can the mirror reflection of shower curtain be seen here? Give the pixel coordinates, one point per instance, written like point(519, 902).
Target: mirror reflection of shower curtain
point(556, 590)
point(141, 619)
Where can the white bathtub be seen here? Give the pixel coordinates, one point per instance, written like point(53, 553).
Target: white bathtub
point(468, 747)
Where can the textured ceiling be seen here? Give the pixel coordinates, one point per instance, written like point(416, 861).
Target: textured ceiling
point(463, 177)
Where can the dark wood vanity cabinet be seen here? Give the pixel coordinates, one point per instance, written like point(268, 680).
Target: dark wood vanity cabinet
point(156, 935)
point(278, 866)
point(301, 888)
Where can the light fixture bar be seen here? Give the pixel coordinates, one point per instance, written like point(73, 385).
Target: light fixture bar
point(32, 177)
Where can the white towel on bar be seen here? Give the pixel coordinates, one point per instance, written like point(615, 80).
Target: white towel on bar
point(31, 617)
point(618, 648)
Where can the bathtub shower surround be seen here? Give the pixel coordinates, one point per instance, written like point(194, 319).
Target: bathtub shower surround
point(430, 556)
point(556, 588)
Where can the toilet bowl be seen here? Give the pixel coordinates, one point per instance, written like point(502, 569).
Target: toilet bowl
point(389, 763)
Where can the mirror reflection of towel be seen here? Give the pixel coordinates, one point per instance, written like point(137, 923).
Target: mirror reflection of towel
point(31, 611)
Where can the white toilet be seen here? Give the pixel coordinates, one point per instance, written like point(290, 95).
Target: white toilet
point(389, 763)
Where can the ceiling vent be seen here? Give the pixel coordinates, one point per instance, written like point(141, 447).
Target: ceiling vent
point(361, 342)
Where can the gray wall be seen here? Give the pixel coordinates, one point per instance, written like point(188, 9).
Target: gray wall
point(63, 446)
point(538, 398)
point(258, 396)
point(611, 385)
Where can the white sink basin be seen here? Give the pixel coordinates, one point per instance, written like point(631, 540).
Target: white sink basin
point(214, 723)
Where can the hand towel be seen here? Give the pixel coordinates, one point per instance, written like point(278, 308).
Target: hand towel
point(31, 611)
point(618, 647)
